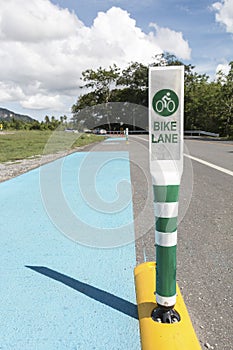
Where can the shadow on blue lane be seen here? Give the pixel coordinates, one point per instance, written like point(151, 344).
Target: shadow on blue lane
point(99, 295)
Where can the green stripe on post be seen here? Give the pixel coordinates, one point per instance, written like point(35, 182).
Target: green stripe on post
point(166, 255)
point(166, 271)
point(166, 225)
point(166, 194)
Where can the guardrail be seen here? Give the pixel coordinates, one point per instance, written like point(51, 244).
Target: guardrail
point(130, 132)
point(200, 132)
point(186, 132)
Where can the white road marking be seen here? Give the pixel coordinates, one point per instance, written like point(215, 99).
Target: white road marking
point(211, 165)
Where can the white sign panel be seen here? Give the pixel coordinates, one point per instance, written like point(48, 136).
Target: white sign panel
point(166, 99)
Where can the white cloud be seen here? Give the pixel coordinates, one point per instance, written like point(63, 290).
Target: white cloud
point(10, 92)
point(34, 21)
point(224, 68)
point(224, 14)
point(39, 101)
point(171, 41)
point(114, 36)
point(44, 49)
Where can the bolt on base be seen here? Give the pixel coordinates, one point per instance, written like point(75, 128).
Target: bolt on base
point(165, 315)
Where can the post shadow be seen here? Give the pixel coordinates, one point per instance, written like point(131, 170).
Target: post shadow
point(97, 294)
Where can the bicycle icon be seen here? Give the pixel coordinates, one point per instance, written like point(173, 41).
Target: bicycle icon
point(165, 102)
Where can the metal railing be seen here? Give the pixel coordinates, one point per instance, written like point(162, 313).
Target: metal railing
point(200, 132)
point(130, 132)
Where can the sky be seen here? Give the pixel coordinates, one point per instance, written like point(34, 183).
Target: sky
point(45, 45)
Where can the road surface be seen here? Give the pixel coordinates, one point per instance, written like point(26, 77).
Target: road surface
point(205, 239)
point(58, 293)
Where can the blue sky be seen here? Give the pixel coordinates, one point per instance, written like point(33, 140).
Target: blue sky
point(210, 43)
point(46, 44)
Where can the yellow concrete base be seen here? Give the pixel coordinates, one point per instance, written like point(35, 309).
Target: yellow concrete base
point(161, 336)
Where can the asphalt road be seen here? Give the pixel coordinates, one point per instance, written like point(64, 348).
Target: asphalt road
point(216, 152)
point(205, 232)
point(205, 239)
point(206, 244)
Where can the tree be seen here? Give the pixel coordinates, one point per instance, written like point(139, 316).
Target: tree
point(208, 105)
point(133, 82)
point(226, 105)
point(135, 76)
point(47, 121)
point(101, 81)
point(194, 107)
point(166, 59)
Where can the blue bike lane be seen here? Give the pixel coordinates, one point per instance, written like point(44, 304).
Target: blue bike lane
point(56, 291)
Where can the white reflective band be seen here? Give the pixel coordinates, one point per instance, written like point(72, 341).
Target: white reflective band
point(165, 301)
point(166, 210)
point(166, 239)
point(167, 175)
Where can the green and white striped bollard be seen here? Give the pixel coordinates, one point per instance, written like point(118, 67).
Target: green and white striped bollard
point(166, 213)
point(166, 96)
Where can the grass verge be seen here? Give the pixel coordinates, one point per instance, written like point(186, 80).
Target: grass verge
point(24, 144)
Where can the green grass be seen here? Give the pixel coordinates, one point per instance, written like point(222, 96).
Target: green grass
point(23, 144)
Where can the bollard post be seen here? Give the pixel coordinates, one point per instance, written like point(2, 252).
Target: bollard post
point(166, 213)
point(163, 317)
point(166, 167)
point(127, 135)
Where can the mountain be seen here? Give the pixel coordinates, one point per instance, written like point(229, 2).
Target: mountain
point(7, 115)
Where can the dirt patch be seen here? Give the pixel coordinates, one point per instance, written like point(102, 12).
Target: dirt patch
point(6, 133)
point(12, 169)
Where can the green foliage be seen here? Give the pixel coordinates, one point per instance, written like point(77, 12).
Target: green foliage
point(134, 77)
point(208, 104)
point(47, 124)
point(226, 103)
point(101, 80)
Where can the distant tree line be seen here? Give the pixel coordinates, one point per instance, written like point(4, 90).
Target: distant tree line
point(49, 123)
point(208, 105)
